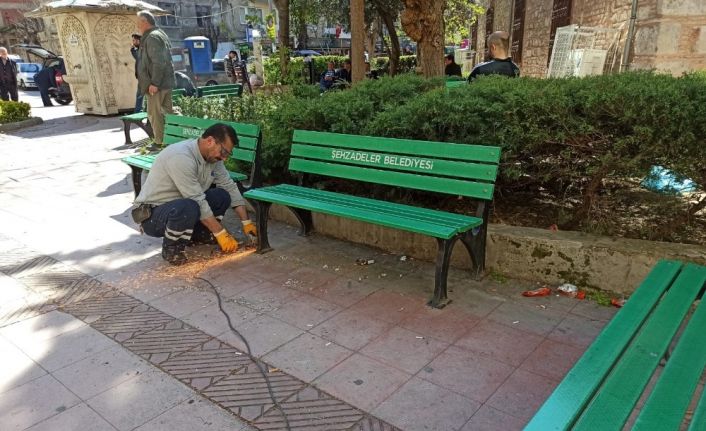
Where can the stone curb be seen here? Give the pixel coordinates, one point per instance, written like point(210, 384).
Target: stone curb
point(9, 127)
point(606, 263)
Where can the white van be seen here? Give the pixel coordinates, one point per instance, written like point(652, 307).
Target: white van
point(25, 74)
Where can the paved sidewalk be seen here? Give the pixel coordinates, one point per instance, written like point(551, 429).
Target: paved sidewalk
point(102, 332)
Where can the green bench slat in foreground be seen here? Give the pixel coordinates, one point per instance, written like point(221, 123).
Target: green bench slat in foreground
point(179, 128)
point(601, 390)
point(439, 167)
point(140, 118)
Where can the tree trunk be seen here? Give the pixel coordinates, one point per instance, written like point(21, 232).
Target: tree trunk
point(371, 38)
point(357, 40)
point(423, 21)
point(283, 36)
point(394, 43)
point(302, 35)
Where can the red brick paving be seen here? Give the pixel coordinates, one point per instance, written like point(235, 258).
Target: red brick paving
point(486, 361)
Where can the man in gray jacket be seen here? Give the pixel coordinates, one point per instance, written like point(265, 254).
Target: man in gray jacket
point(177, 202)
point(155, 74)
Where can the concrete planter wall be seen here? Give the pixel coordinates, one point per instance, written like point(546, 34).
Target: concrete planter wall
point(613, 264)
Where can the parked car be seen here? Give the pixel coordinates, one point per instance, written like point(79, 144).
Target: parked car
point(25, 74)
point(61, 92)
point(305, 53)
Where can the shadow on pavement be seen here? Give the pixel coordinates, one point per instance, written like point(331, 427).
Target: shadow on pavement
point(68, 125)
point(122, 186)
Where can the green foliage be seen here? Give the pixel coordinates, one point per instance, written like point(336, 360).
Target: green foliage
point(459, 16)
point(297, 72)
point(11, 112)
point(577, 142)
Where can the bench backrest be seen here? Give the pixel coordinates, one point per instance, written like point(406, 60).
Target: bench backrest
point(178, 128)
point(455, 84)
point(221, 90)
point(443, 167)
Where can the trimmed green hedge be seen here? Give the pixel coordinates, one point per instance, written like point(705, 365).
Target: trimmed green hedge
point(298, 75)
point(572, 141)
point(11, 112)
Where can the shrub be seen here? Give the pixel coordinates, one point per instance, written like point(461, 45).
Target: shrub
point(11, 112)
point(576, 142)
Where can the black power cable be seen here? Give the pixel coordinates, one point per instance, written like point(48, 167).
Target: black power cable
point(249, 353)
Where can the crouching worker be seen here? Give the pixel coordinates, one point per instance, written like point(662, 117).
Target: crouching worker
point(177, 202)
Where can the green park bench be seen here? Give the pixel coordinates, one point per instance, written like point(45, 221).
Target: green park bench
point(223, 90)
point(440, 167)
point(602, 389)
point(140, 118)
point(178, 128)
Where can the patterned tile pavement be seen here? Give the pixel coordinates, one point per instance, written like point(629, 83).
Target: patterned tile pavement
point(224, 375)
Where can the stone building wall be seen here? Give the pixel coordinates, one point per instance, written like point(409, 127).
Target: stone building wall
point(670, 35)
point(673, 39)
point(535, 47)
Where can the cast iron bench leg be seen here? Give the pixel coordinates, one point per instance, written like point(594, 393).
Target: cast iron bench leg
point(136, 179)
point(262, 211)
point(475, 244)
point(475, 240)
point(443, 258)
point(126, 130)
point(147, 127)
point(305, 220)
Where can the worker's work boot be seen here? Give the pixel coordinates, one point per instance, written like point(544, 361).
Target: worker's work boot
point(201, 237)
point(173, 252)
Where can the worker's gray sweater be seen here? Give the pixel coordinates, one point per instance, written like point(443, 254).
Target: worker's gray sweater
point(180, 171)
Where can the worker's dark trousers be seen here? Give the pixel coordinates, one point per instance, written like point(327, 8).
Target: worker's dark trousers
point(178, 221)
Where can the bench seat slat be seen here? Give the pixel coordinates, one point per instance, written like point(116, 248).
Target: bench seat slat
point(136, 117)
point(612, 405)
point(561, 409)
point(401, 220)
point(471, 153)
point(458, 221)
point(670, 398)
point(698, 422)
point(400, 179)
point(432, 166)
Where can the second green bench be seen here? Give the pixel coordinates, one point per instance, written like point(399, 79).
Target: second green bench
point(223, 90)
point(140, 118)
point(178, 128)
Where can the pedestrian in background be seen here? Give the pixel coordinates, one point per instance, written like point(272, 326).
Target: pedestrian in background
point(230, 62)
point(155, 73)
point(135, 51)
point(501, 63)
point(8, 76)
point(452, 68)
point(44, 79)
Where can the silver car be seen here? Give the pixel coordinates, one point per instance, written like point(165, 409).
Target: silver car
point(25, 74)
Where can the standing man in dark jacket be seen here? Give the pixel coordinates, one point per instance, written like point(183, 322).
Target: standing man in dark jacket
point(501, 63)
point(8, 76)
point(229, 65)
point(135, 51)
point(155, 72)
point(44, 79)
